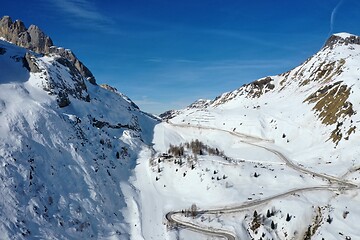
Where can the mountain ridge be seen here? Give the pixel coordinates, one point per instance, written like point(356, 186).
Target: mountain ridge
point(325, 82)
point(342, 38)
point(34, 39)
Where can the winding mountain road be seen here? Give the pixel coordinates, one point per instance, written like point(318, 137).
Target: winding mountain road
point(171, 216)
point(197, 228)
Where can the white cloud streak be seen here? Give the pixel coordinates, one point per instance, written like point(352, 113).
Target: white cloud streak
point(333, 14)
point(82, 13)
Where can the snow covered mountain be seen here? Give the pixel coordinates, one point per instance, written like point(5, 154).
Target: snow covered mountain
point(34, 39)
point(323, 91)
point(274, 159)
point(286, 159)
point(67, 147)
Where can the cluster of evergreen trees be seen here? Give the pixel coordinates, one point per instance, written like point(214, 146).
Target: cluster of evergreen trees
point(197, 148)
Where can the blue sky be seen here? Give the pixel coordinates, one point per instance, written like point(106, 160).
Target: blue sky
point(165, 54)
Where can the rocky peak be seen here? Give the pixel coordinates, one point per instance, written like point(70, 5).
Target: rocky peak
point(201, 103)
point(5, 22)
point(10, 30)
point(19, 26)
point(36, 40)
point(39, 41)
point(342, 39)
point(32, 38)
point(108, 87)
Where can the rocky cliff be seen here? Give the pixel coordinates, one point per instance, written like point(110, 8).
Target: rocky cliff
point(34, 39)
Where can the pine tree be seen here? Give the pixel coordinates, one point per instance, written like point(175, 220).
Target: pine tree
point(273, 225)
point(268, 214)
point(329, 219)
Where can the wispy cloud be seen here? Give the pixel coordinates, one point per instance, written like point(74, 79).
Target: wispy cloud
point(333, 14)
point(83, 13)
point(154, 60)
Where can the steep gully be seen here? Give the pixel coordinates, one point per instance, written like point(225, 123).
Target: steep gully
point(336, 185)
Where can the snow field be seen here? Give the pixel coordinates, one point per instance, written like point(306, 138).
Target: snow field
point(170, 186)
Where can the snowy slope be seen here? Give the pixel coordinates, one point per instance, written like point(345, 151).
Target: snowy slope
point(309, 108)
point(279, 158)
point(66, 148)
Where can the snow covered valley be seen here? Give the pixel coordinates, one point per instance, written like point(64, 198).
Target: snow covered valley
point(249, 191)
point(275, 159)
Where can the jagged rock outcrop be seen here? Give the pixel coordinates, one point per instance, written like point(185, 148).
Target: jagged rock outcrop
point(108, 87)
point(36, 40)
point(39, 41)
point(169, 114)
point(201, 103)
point(63, 99)
point(342, 38)
point(32, 38)
point(69, 55)
point(29, 63)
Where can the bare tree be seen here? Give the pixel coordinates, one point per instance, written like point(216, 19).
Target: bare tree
point(193, 210)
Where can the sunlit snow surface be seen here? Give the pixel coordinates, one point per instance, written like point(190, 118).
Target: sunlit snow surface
point(61, 176)
point(278, 120)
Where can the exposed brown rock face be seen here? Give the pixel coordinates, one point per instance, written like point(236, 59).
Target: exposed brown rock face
point(335, 39)
point(30, 64)
point(36, 40)
point(32, 38)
